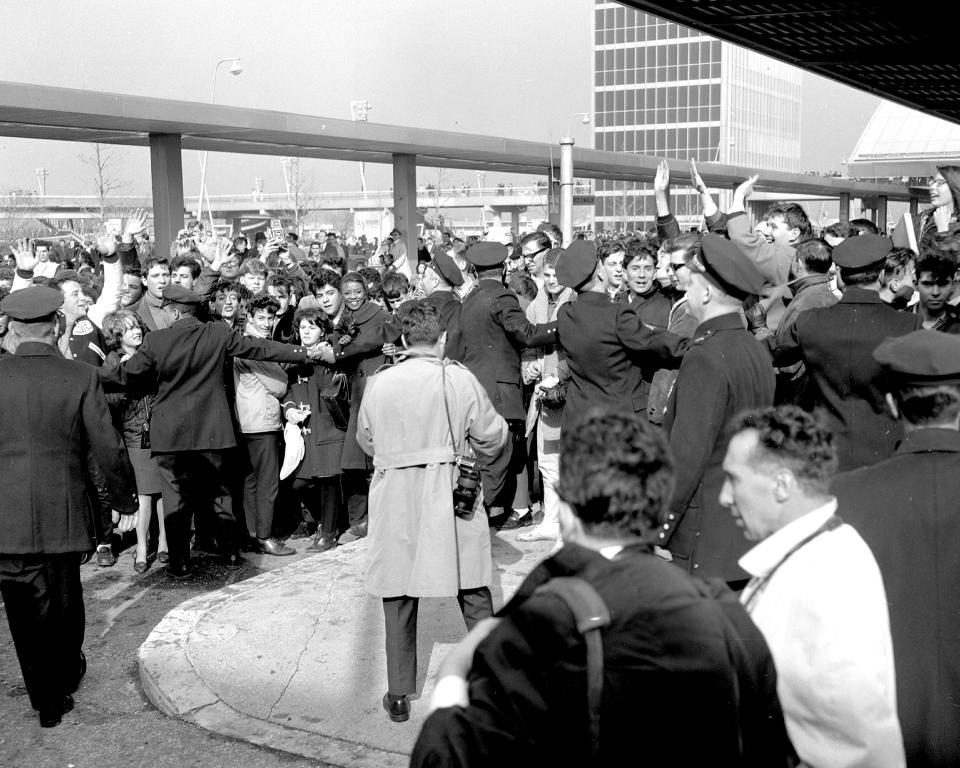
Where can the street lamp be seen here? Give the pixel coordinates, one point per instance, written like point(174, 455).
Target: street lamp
point(235, 69)
point(566, 176)
point(359, 111)
point(42, 174)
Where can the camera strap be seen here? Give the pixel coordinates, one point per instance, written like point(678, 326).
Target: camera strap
point(446, 407)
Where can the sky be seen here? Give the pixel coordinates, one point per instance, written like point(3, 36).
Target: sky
point(503, 68)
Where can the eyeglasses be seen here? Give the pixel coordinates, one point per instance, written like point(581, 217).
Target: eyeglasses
point(937, 181)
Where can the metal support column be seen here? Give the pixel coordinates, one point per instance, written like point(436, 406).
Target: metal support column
point(166, 172)
point(405, 203)
point(914, 206)
point(553, 196)
point(844, 207)
point(566, 189)
point(881, 220)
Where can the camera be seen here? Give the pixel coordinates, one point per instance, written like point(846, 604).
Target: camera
point(468, 487)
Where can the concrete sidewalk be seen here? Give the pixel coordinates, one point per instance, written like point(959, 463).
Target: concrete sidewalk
point(293, 659)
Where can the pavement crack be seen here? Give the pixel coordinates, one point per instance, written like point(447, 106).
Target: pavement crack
point(316, 626)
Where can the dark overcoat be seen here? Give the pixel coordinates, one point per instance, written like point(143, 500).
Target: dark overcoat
point(191, 411)
point(725, 371)
point(836, 344)
point(53, 415)
point(322, 441)
point(907, 509)
point(494, 329)
point(668, 634)
point(449, 307)
point(605, 345)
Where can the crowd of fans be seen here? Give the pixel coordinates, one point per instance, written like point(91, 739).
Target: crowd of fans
point(678, 332)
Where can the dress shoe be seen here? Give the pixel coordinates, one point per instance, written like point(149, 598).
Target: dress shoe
point(538, 533)
point(496, 516)
point(81, 671)
point(233, 561)
point(179, 570)
point(398, 707)
point(354, 533)
point(52, 714)
point(273, 547)
point(163, 556)
point(321, 544)
point(517, 519)
point(105, 556)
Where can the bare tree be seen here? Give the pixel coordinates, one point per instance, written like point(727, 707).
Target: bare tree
point(301, 197)
point(104, 161)
point(434, 217)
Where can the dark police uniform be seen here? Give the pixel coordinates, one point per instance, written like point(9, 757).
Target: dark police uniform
point(836, 345)
point(679, 663)
point(53, 415)
point(448, 305)
point(494, 329)
point(906, 509)
point(191, 424)
point(724, 372)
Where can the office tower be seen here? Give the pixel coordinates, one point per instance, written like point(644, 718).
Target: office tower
point(666, 90)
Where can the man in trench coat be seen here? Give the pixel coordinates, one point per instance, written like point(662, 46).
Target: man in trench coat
point(417, 546)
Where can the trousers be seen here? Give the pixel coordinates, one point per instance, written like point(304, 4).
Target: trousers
point(194, 484)
point(44, 604)
point(262, 481)
point(400, 622)
point(322, 498)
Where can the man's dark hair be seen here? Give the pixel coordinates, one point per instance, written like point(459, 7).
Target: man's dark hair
point(552, 230)
point(839, 229)
point(537, 241)
point(132, 269)
point(222, 285)
point(373, 281)
point(185, 260)
point(337, 263)
point(322, 278)
point(928, 406)
point(816, 255)
point(897, 263)
point(616, 473)
point(552, 257)
point(421, 324)
point(63, 276)
point(263, 301)
point(260, 237)
point(789, 437)
point(863, 277)
point(863, 227)
point(610, 248)
point(151, 261)
point(794, 216)
point(522, 285)
point(395, 285)
point(279, 281)
point(940, 268)
point(638, 249)
point(687, 245)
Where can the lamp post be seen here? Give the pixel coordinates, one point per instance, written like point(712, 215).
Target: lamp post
point(359, 111)
point(235, 69)
point(566, 177)
point(42, 174)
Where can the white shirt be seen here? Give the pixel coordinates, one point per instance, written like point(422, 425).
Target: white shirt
point(824, 617)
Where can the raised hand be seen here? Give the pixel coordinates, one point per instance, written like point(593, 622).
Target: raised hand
point(106, 245)
point(134, 225)
point(25, 256)
point(695, 179)
point(661, 182)
point(746, 188)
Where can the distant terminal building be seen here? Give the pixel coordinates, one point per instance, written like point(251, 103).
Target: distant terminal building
point(904, 145)
point(665, 90)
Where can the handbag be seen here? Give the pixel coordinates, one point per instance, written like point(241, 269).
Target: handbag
point(555, 396)
point(336, 399)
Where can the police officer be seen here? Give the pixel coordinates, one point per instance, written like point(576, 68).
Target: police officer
point(906, 510)
point(494, 329)
point(836, 345)
point(53, 413)
point(604, 342)
point(439, 280)
point(190, 425)
point(724, 371)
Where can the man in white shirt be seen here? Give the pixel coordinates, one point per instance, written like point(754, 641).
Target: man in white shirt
point(816, 592)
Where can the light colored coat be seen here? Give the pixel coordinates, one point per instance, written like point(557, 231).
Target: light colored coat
point(417, 546)
point(538, 311)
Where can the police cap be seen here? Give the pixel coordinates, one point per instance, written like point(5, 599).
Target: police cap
point(729, 267)
point(486, 254)
point(446, 268)
point(175, 294)
point(577, 264)
point(921, 358)
point(32, 305)
point(862, 252)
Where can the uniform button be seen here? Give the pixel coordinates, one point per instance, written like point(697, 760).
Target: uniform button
point(662, 536)
point(696, 565)
point(671, 516)
point(666, 526)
